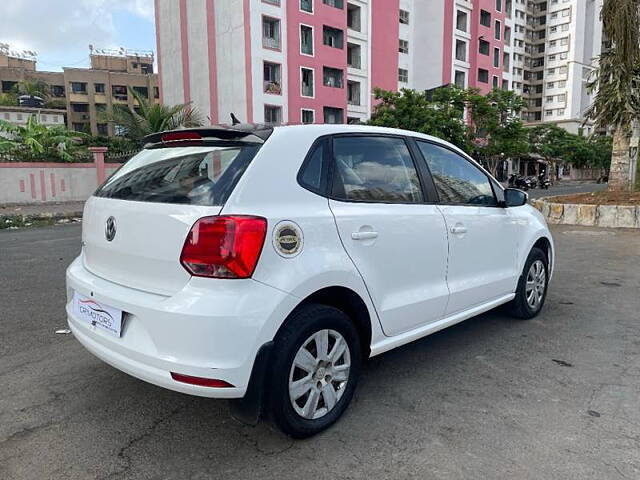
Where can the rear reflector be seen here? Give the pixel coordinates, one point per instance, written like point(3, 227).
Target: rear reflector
point(224, 247)
point(203, 382)
point(177, 136)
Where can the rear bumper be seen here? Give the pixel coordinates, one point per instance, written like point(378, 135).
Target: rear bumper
point(210, 329)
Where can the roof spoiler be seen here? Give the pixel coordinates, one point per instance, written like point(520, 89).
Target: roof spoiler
point(245, 133)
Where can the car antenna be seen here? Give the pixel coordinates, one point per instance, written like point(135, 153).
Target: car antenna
point(234, 120)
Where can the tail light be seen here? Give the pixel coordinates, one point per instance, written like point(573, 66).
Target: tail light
point(203, 382)
point(224, 247)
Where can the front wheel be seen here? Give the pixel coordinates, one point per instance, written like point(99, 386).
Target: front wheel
point(315, 369)
point(532, 286)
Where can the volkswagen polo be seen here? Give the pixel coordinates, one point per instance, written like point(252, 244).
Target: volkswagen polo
point(266, 264)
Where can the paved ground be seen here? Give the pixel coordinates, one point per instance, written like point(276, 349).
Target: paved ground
point(567, 188)
point(492, 398)
point(62, 208)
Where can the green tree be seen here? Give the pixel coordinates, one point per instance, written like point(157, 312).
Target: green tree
point(496, 131)
point(439, 113)
point(33, 87)
point(150, 117)
point(617, 84)
point(35, 141)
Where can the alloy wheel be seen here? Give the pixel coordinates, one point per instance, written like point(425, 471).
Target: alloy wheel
point(319, 374)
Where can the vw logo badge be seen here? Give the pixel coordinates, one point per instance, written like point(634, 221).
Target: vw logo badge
point(110, 229)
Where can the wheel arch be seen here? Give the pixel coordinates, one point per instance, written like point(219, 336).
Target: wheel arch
point(347, 301)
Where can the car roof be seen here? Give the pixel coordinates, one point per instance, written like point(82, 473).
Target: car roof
point(329, 129)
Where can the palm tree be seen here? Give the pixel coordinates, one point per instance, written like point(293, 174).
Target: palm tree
point(151, 117)
point(617, 83)
point(35, 141)
point(32, 87)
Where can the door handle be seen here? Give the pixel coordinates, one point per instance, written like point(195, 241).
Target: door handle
point(458, 229)
point(364, 235)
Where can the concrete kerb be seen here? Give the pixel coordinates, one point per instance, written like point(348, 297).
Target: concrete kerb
point(610, 216)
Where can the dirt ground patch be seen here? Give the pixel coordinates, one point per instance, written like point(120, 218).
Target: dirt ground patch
point(600, 198)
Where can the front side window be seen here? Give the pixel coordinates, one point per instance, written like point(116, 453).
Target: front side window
point(375, 169)
point(457, 180)
point(189, 175)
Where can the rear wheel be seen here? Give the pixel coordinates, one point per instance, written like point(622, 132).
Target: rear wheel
point(532, 286)
point(315, 369)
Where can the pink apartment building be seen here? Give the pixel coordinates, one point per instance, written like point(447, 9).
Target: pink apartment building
point(315, 61)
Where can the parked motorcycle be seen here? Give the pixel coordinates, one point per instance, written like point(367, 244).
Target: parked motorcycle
point(543, 182)
point(518, 181)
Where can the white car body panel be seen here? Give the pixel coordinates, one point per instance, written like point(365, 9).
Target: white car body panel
point(405, 266)
point(213, 328)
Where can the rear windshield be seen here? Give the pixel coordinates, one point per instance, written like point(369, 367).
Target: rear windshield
point(189, 175)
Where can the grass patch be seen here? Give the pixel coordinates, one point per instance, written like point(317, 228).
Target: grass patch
point(600, 198)
point(13, 222)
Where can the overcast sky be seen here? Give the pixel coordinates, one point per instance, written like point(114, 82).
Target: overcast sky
point(61, 30)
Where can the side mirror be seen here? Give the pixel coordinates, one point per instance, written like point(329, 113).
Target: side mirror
point(515, 198)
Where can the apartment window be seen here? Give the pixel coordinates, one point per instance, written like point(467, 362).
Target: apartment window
point(483, 75)
point(332, 37)
point(78, 87)
point(8, 86)
point(119, 92)
point(461, 50)
point(548, 113)
point(505, 84)
point(101, 107)
point(102, 129)
point(272, 114)
point(354, 55)
point(306, 40)
point(334, 3)
point(498, 30)
point(332, 77)
point(550, 98)
point(142, 91)
point(308, 116)
point(272, 78)
point(353, 93)
point(306, 6)
point(403, 46)
point(354, 17)
point(306, 82)
point(496, 57)
point(271, 33)
point(461, 21)
point(156, 92)
point(146, 68)
point(79, 127)
point(404, 17)
point(403, 75)
point(99, 88)
point(484, 47)
point(495, 82)
point(485, 18)
point(499, 5)
point(80, 107)
point(333, 115)
point(57, 90)
point(460, 79)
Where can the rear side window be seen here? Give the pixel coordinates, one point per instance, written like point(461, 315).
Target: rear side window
point(457, 180)
point(314, 174)
point(375, 169)
point(189, 175)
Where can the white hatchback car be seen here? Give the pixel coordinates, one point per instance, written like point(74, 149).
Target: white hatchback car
point(267, 263)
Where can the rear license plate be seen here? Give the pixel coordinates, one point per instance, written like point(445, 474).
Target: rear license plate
point(97, 314)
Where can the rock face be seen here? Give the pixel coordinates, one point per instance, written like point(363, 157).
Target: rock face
point(610, 216)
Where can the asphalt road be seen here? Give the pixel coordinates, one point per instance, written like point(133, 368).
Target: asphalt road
point(567, 188)
point(552, 398)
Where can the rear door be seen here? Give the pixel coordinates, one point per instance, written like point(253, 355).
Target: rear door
point(396, 239)
point(482, 235)
point(135, 225)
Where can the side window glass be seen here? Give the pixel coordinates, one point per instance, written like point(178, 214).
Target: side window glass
point(457, 180)
point(375, 169)
point(311, 176)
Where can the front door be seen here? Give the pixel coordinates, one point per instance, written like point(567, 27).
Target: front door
point(482, 236)
point(396, 241)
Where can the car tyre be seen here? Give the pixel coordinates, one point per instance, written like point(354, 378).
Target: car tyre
point(314, 370)
point(531, 292)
